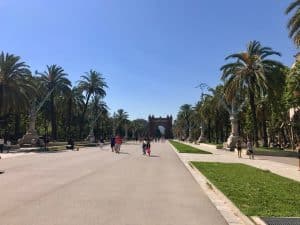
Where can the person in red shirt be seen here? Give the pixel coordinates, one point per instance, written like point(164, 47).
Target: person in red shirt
point(118, 140)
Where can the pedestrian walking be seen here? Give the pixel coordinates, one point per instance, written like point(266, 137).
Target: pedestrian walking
point(250, 150)
point(239, 148)
point(148, 148)
point(1, 144)
point(8, 143)
point(118, 141)
point(70, 144)
point(112, 143)
point(101, 142)
point(298, 149)
point(144, 145)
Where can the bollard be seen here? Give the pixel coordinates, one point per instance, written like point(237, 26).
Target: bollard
point(77, 148)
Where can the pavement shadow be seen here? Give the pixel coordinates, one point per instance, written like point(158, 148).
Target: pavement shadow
point(54, 151)
point(125, 153)
point(155, 156)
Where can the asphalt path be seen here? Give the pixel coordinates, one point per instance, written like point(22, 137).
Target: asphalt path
point(95, 186)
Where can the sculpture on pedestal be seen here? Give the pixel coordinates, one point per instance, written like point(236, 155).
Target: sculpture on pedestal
point(31, 137)
point(91, 137)
point(202, 138)
point(233, 111)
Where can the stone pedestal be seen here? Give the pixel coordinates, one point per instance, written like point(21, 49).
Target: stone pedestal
point(233, 138)
point(231, 142)
point(202, 138)
point(91, 137)
point(31, 137)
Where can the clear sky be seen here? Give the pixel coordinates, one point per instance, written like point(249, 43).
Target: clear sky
point(152, 52)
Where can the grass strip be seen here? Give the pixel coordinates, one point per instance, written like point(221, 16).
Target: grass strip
point(183, 148)
point(254, 191)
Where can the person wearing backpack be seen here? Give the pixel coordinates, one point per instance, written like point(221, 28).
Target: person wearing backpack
point(118, 140)
point(148, 147)
point(250, 149)
point(239, 148)
point(144, 146)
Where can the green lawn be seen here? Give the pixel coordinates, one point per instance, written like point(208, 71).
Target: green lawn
point(182, 148)
point(256, 192)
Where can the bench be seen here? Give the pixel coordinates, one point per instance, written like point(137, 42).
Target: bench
point(70, 147)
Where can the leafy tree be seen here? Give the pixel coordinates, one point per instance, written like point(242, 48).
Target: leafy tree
point(139, 128)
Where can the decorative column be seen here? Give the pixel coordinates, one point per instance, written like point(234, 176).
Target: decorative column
point(233, 138)
point(202, 138)
point(91, 136)
point(126, 132)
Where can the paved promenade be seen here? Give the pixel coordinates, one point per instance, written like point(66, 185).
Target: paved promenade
point(286, 167)
point(95, 187)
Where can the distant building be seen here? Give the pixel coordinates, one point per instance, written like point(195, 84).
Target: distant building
point(156, 123)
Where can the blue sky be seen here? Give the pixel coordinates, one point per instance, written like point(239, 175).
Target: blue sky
point(152, 52)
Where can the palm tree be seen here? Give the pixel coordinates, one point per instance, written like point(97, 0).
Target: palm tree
point(99, 110)
point(16, 88)
point(55, 81)
point(92, 84)
point(75, 101)
point(249, 72)
point(294, 22)
point(207, 112)
point(120, 119)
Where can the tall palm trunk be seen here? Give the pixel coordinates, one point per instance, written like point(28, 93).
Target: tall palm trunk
point(53, 118)
point(83, 114)
point(217, 128)
point(69, 119)
point(264, 128)
point(17, 125)
point(253, 117)
point(209, 131)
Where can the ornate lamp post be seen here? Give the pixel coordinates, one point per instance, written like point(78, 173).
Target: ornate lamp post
point(202, 137)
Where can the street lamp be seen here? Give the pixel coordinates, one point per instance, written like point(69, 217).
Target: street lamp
point(203, 87)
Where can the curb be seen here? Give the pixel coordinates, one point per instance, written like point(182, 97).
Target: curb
point(231, 214)
point(258, 220)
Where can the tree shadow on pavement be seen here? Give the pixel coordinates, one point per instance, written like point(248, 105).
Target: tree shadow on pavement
point(125, 153)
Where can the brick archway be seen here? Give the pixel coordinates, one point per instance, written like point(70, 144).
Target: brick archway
point(155, 122)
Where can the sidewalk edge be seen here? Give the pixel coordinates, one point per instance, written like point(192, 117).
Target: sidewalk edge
point(228, 210)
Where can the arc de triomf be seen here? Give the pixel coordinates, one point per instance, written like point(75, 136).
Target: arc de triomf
point(155, 122)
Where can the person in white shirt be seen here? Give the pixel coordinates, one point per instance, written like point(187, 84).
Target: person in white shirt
point(8, 145)
point(250, 149)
